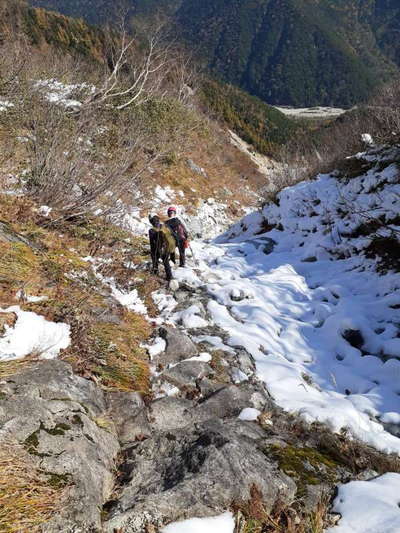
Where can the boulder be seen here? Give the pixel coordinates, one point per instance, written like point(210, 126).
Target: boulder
point(197, 471)
point(60, 419)
point(230, 401)
point(179, 346)
point(170, 413)
point(187, 373)
point(128, 413)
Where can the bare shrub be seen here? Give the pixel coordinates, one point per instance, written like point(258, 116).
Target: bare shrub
point(13, 58)
point(140, 71)
point(386, 108)
point(10, 17)
point(86, 162)
point(89, 145)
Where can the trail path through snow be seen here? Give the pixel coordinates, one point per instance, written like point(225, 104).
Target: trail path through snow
point(291, 316)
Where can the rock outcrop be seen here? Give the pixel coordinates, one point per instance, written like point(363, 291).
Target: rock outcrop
point(61, 421)
point(198, 470)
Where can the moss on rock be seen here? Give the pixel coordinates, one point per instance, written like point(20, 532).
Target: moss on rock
point(306, 466)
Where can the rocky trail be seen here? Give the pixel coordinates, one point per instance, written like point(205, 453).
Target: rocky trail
point(210, 439)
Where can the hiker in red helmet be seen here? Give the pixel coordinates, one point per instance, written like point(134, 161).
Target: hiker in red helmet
point(179, 232)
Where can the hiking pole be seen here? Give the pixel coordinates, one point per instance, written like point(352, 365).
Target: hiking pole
point(194, 257)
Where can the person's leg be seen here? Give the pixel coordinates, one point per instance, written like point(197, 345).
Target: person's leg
point(182, 253)
point(167, 267)
point(155, 258)
point(173, 257)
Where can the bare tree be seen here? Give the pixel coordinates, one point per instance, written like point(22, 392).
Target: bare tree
point(140, 71)
point(13, 45)
point(386, 110)
point(88, 162)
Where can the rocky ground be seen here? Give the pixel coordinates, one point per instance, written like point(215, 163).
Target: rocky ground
point(207, 439)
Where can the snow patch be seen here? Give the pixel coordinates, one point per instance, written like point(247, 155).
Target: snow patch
point(59, 93)
point(190, 318)
point(157, 347)
point(218, 524)
point(203, 357)
point(130, 300)
point(250, 414)
point(369, 506)
point(5, 105)
point(33, 334)
point(22, 295)
point(45, 210)
point(304, 300)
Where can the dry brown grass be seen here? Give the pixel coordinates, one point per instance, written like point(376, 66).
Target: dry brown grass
point(10, 368)
point(18, 265)
point(108, 352)
point(28, 497)
point(226, 167)
point(253, 517)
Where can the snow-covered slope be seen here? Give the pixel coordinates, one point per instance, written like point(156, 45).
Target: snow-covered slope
point(207, 220)
point(319, 314)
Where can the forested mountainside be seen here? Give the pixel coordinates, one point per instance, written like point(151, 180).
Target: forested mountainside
point(297, 52)
point(93, 11)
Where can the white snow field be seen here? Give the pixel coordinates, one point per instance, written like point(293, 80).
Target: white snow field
point(217, 524)
point(294, 308)
point(369, 506)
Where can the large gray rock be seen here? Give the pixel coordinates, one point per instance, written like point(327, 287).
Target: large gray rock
point(199, 471)
point(227, 401)
point(128, 412)
point(170, 413)
point(60, 420)
point(187, 373)
point(230, 401)
point(179, 346)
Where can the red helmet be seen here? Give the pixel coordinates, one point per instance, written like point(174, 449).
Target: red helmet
point(171, 209)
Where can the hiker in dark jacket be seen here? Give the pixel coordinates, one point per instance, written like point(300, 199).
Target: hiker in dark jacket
point(161, 246)
point(179, 232)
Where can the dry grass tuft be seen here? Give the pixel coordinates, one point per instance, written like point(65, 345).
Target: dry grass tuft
point(7, 320)
point(18, 264)
point(10, 368)
point(253, 517)
point(28, 498)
